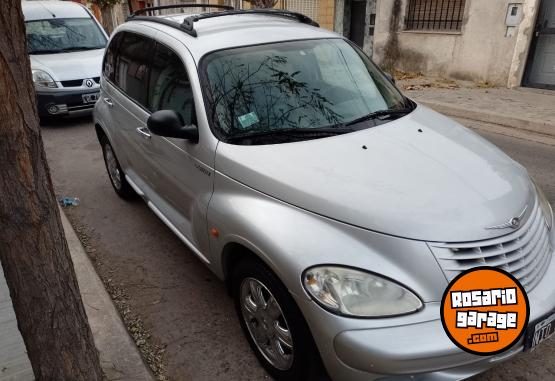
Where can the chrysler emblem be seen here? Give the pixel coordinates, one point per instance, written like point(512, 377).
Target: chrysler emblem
point(512, 223)
point(89, 83)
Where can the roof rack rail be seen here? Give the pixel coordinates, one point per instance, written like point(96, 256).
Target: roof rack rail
point(187, 25)
point(177, 6)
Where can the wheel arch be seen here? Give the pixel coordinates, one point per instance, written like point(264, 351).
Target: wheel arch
point(232, 254)
point(100, 133)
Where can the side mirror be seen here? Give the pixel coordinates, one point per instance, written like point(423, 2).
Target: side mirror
point(169, 123)
point(390, 77)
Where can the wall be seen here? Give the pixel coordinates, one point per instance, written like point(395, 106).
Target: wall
point(480, 52)
point(326, 14)
point(342, 21)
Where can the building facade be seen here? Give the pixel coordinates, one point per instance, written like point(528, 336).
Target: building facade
point(503, 42)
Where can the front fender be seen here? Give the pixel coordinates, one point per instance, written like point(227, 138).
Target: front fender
point(290, 240)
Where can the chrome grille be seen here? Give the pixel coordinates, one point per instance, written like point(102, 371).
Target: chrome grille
point(525, 253)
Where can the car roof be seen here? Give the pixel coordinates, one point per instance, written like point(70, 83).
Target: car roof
point(237, 30)
point(44, 10)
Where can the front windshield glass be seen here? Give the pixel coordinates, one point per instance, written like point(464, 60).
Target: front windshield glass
point(63, 35)
point(301, 85)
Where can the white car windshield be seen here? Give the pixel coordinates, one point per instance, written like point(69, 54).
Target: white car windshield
point(296, 86)
point(63, 35)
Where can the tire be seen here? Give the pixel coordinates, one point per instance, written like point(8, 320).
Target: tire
point(301, 361)
point(115, 173)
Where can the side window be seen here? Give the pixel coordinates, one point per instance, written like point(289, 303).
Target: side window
point(169, 86)
point(109, 65)
point(131, 73)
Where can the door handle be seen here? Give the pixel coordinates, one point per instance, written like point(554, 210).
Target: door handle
point(144, 132)
point(109, 102)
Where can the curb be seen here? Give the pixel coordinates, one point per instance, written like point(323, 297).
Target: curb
point(119, 356)
point(536, 126)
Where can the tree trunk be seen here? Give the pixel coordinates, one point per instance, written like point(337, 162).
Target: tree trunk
point(33, 249)
point(107, 19)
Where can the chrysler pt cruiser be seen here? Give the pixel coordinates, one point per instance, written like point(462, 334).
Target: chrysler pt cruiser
point(335, 209)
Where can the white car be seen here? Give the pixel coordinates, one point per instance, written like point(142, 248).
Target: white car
point(66, 45)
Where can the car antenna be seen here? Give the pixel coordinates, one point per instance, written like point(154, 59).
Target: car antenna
point(46, 9)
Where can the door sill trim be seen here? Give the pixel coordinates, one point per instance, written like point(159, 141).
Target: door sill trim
point(165, 220)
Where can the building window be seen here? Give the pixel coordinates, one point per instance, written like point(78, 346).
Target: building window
point(441, 15)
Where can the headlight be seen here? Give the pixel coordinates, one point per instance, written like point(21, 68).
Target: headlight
point(352, 292)
point(43, 79)
point(544, 204)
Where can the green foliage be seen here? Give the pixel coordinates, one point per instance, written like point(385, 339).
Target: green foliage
point(105, 3)
point(263, 3)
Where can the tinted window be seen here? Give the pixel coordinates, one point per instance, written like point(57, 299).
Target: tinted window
point(170, 88)
point(109, 66)
point(63, 35)
point(131, 74)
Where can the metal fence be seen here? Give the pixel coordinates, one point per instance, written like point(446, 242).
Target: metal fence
point(446, 15)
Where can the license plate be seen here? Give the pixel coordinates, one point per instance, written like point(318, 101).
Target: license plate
point(91, 98)
point(539, 331)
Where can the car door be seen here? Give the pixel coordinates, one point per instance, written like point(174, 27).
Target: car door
point(183, 170)
point(127, 96)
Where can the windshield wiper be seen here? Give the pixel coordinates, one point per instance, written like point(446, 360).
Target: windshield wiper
point(293, 132)
point(75, 48)
point(65, 50)
point(382, 113)
point(45, 51)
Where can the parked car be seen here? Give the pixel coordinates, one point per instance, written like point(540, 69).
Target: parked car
point(66, 45)
point(334, 208)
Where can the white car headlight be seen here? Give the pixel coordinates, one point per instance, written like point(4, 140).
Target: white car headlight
point(43, 79)
point(544, 204)
point(352, 292)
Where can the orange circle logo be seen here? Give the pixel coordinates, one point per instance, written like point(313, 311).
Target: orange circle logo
point(485, 311)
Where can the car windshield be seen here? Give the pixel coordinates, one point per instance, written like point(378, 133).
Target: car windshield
point(306, 87)
point(63, 35)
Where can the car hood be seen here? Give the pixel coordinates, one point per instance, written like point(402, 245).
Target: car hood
point(422, 176)
point(68, 66)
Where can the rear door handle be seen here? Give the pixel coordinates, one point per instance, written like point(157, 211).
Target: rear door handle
point(144, 132)
point(109, 102)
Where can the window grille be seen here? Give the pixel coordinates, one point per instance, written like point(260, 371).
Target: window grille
point(444, 15)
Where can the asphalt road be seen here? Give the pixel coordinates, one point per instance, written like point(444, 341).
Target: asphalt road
point(183, 306)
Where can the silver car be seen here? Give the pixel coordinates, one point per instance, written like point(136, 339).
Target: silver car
point(335, 209)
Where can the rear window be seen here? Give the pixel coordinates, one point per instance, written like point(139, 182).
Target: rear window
point(63, 35)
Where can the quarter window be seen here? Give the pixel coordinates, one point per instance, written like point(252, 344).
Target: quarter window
point(131, 73)
point(169, 85)
point(109, 66)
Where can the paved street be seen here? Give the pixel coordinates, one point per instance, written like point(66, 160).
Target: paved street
point(184, 306)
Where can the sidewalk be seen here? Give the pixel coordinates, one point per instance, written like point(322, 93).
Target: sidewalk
point(526, 111)
point(119, 356)
point(14, 362)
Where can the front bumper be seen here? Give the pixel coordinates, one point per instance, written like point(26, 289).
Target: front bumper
point(64, 102)
point(413, 346)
